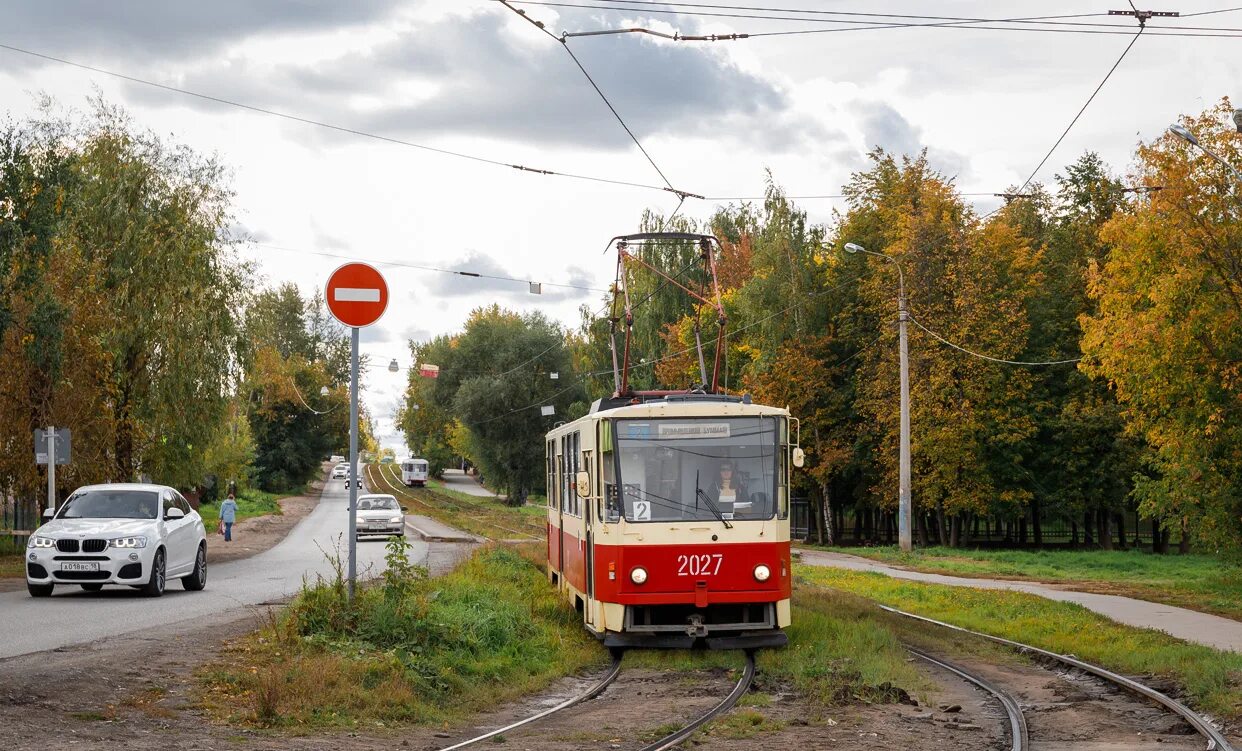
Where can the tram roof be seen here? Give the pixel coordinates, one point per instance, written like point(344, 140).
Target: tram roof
point(693, 405)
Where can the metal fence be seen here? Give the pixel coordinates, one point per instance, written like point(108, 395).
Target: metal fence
point(856, 527)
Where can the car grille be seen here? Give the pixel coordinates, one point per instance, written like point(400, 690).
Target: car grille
point(94, 546)
point(82, 575)
point(80, 558)
point(67, 546)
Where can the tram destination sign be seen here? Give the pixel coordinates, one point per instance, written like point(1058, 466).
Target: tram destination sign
point(693, 430)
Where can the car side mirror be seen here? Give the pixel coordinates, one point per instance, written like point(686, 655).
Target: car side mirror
point(799, 457)
point(173, 514)
point(48, 513)
point(404, 509)
point(583, 484)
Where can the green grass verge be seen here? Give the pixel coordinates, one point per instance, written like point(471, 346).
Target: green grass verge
point(1198, 582)
point(1211, 679)
point(12, 557)
point(412, 650)
point(418, 650)
point(250, 503)
point(487, 517)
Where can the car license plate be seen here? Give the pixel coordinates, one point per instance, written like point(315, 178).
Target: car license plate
point(79, 567)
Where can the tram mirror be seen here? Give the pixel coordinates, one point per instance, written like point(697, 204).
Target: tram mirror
point(583, 483)
point(799, 457)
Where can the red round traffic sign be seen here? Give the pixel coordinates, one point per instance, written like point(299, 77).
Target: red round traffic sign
point(357, 294)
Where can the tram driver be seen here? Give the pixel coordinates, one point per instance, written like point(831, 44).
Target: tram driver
point(730, 491)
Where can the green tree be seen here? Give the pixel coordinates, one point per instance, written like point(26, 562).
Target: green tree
point(1168, 332)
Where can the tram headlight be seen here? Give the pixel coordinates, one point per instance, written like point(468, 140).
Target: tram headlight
point(762, 573)
point(638, 575)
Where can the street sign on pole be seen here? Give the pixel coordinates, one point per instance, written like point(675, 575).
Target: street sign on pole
point(64, 445)
point(52, 447)
point(357, 296)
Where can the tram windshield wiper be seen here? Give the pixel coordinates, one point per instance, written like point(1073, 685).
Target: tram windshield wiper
point(711, 505)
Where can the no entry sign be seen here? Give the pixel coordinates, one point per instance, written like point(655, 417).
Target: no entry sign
point(357, 294)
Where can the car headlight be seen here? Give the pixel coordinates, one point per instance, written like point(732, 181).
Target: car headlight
point(128, 542)
point(762, 573)
point(395, 520)
point(638, 575)
point(40, 542)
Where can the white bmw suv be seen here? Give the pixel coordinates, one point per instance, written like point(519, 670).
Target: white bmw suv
point(124, 533)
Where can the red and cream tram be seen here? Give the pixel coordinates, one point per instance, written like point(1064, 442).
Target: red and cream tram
point(668, 520)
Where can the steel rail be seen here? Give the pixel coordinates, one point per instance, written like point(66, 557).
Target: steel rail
point(674, 739)
point(1018, 733)
point(613, 671)
point(1216, 740)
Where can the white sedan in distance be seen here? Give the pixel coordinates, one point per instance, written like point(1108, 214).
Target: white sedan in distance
point(380, 515)
point(340, 472)
point(123, 533)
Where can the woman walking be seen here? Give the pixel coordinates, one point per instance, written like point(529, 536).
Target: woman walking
point(228, 514)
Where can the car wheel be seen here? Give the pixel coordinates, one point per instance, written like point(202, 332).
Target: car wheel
point(40, 590)
point(155, 585)
point(92, 587)
point(198, 577)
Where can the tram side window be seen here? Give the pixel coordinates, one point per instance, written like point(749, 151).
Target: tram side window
point(551, 472)
point(612, 500)
point(575, 446)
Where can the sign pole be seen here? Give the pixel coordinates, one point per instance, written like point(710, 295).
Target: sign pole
point(354, 480)
point(51, 466)
point(357, 296)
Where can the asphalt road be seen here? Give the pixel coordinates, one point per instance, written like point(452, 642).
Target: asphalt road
point(73, 616)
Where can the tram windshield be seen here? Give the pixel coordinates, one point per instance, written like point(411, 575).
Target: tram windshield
point(697, 469)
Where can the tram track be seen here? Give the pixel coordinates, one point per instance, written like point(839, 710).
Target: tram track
point(743, 685)
point(663, 744)
point(418, 496)
point(1019, 734)
point(1214, 738)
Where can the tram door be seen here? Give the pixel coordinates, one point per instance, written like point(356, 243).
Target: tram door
point(588, 521)
point(560, 510)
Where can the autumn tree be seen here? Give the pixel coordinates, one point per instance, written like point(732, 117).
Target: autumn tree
point(1168, 332)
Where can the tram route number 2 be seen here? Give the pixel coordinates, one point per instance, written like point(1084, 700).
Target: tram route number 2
point(707, 564)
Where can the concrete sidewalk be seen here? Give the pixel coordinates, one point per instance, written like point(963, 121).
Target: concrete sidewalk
point(1190, 625)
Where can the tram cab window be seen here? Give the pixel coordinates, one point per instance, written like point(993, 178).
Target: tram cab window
point(697, 469)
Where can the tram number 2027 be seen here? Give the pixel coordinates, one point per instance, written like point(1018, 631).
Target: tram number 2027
point(707, 564)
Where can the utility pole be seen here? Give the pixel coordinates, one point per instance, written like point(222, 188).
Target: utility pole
point(904, 501)
point(903, 480)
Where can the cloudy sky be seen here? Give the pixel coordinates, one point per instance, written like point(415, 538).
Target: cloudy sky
point(470, 77)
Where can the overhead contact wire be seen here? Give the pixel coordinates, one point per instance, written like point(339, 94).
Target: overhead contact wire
point(564, 42)
point(327, 125)
point(1083, 109)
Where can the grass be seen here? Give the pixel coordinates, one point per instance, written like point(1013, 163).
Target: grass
point(12, 557)
point(250, 503)
point(1198, 582)
point(486, 517)
point(1211, 679)
point(413, 650)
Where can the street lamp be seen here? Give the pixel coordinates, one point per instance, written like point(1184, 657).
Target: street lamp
point(1190, 138)
point(904, 537)
point(323, 391)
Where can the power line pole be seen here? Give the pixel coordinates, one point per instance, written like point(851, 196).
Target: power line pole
point(904, 502)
